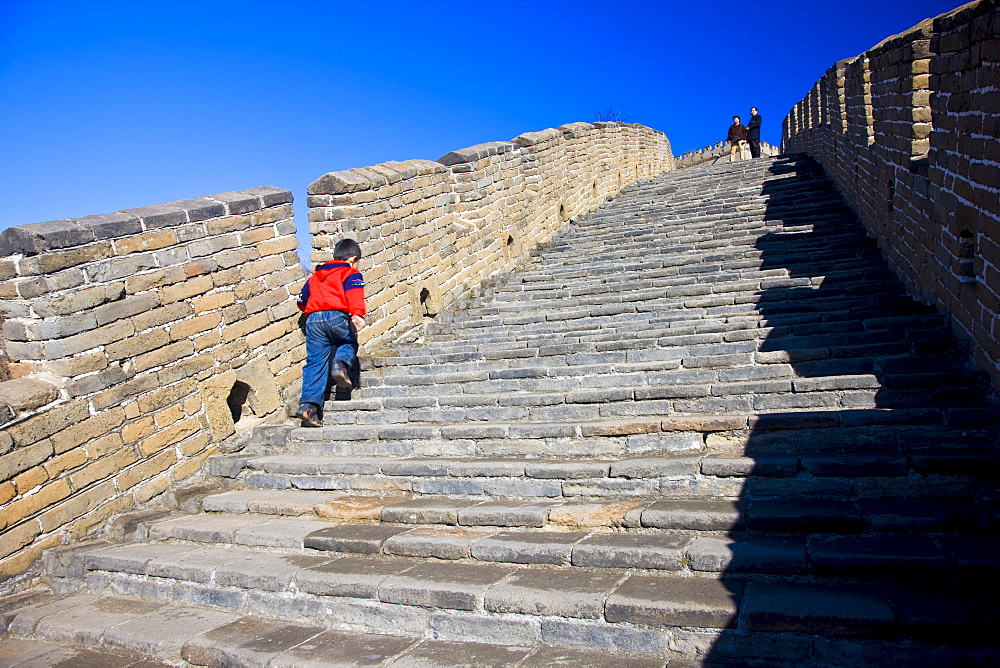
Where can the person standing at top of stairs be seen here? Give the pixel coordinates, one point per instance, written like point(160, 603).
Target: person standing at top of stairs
point(737, 140)
point(753, 133)
point(333, 300)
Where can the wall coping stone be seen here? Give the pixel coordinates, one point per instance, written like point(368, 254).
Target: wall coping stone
point(36, 238)
point(477, 152)
point(338, 183)
point(532, 138)
point(357, 179)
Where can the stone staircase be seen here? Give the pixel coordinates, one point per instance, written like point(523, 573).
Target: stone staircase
point(705, 426)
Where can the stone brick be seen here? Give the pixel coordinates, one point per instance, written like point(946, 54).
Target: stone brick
point(195, 445)
point(815, 608)
point(51, 262)
point(442, 585)
point(153, 280)
point(30, 479)
point(185, 329)
point(162, 398)
point(228, 224)
point(16, 538)
point(7, 491)
point(91, 428)
point(169, 436)
point(163, 356)
point(594, 635)
point(186, 289)
point(151, 488)
point(184, 369)
point(213, 301)
point(277, 246)
point(270, 333)
point(66, 461)
point(137, 344)
point(77, 366)
point(36, 428)
point(186, 469)
point(242, 328)
point(26, 506)
point(78, 300)
point(102, 468)
point(146, 469)
point(78, 343)
point(51, 328)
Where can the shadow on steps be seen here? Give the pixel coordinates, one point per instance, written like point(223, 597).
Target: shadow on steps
point(889, 525)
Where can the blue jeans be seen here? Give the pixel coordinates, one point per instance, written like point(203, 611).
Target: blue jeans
point(329, 334)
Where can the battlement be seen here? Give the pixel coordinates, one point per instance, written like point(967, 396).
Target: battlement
point(909, 132)
point(717, 152)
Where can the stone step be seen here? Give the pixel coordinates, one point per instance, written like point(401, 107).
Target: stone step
point(734, 434)
point(647, 612)
point(829, 333)
point(687, 471)
point(698, 314)
point(623, 367)
point(844, 508)
point(115, 631)
point(614, 308)
point(837, 551)
point(673, 332)
point(901, 429)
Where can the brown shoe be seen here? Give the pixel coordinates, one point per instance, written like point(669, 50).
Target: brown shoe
point(309, 416)
point(339, 375)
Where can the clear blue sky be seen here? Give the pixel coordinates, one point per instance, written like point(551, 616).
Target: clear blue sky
point(107, 105)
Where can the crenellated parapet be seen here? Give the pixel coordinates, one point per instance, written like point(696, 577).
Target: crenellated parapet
point(910, 132)
point(433, 231)
point(717, 153)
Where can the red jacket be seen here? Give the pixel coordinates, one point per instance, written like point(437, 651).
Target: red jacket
point(334, 286)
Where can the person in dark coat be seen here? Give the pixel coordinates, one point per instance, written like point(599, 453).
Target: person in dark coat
point(753, 133)
point(737, 140)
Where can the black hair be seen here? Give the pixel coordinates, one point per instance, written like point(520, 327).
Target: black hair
point(346, 248)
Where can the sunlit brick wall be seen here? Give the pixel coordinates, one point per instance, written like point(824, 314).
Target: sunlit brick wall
point(126, 338)
point(433, 231)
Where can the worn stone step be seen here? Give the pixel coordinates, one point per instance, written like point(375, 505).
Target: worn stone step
point(115, 631)
point(818, 473)
point(505, 603)
point(848, 507)
point(900, 430)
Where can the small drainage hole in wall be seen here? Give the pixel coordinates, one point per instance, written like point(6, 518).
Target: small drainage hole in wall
point(237, 399)
point(426, 306)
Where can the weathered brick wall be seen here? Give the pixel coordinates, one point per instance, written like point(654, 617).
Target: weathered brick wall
point(910, 131)
point(433, 231)
point(125, 335)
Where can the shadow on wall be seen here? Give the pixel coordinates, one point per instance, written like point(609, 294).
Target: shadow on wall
point(863, 508)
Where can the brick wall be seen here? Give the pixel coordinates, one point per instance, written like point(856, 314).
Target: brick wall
point(910, 131)
point(433, 231)
point(125, 336)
